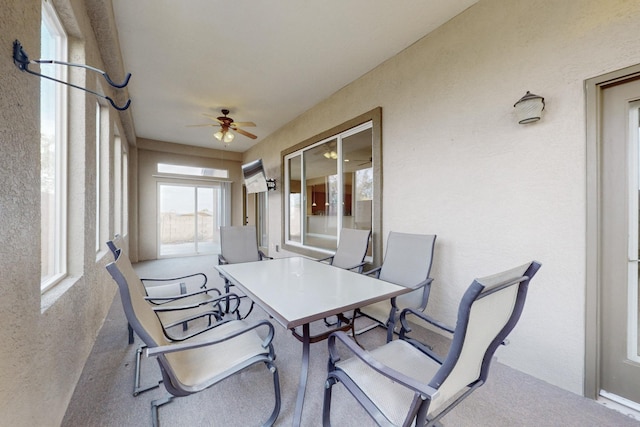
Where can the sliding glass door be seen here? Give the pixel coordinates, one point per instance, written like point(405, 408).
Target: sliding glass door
point(189, 219)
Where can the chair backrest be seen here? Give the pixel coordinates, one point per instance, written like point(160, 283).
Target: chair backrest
point(407, 261)
point(239, 244)
point(115, 244)
point(352, 248)
point(140, 315)
point(488, 311)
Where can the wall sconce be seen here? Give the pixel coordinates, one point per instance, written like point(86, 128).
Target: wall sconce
point(271, 184)
point(529, 108)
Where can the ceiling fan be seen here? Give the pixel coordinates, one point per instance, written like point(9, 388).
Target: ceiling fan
point(226, 125)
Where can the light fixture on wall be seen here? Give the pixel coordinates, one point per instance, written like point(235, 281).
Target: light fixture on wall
point(271, 184)
point(529, 108)
point(224, 135)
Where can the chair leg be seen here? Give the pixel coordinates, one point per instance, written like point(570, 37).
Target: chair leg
point(155, 404)
point(130, 333)
point(136, 382)
point(390, 327)
point(326, 404)
point(276, 388)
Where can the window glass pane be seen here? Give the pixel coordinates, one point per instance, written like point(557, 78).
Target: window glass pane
point(208, 237)
point(189, 217)
point(52, 152)
point(358, 180)
point(125, 192)
point(262, 224)
point(192, 171)
point(177, 220)
point(97, 175)
point(117, 182)
point(321, 182)
point(295, 199)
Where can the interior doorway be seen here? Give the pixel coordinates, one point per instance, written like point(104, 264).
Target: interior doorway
point(613, 352)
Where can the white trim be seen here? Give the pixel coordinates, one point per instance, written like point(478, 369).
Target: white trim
point(620, 404)
point(633, 139)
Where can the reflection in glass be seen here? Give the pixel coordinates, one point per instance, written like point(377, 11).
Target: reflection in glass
point(321, 182)
point(295, 180)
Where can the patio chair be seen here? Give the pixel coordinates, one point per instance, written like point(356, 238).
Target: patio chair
point(407, 262)
point(352, 248)
point(239, 244)
point(197, 361)
point(189, 289)
point(404, 383)
point(176, 306)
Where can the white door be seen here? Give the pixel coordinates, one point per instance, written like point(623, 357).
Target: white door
point(619, 377)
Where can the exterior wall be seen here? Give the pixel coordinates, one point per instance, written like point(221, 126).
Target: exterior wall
point(46, 338)
point(457, 164)
point(150, 153)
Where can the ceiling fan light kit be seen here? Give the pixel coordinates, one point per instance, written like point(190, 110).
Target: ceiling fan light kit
point(224, 135)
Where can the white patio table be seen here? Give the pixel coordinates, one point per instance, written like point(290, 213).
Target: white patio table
point(297, 291)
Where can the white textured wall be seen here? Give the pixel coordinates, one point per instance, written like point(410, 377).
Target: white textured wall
point(457, 164)
point(45, 339)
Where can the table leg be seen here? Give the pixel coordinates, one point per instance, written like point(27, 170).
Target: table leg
point(304, 371)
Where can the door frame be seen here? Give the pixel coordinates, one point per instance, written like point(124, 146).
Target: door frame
point(593, 267)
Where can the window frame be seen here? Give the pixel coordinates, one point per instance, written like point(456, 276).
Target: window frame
point(375, 117)
point(59, 267)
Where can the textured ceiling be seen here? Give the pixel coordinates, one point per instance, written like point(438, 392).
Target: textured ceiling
point(265, 61)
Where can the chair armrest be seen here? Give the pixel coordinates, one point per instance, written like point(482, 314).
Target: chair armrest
point(172, 348)
point(357, 266)
point(189, 304)
point(425, 294)
point(325, 258)
point(203, 279)
point(424, 317)
point(159, 300)
point(234, 304)
point(398, 377)
point(375, 272)
point(423, 347)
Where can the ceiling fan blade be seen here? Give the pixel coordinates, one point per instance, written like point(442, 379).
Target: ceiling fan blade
point(208, 124)
point(245, 133)
point(244, 124)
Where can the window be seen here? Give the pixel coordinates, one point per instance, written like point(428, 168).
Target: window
point(332, 181)
point(98, 172)
point(117, 183)
point(53, 104)
point(125, 191)
point(192, 171)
